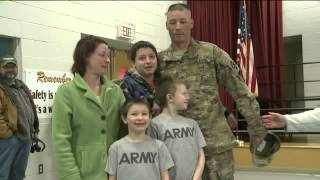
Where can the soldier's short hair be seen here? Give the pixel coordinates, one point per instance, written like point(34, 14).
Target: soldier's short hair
point(168, 85)
point(178, 6)
point(133, 101)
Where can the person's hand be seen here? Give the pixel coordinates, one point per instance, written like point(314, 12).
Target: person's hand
point(274, 120)
point(232, 122)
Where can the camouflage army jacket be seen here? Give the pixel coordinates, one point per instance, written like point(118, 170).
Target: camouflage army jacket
point(203, 66)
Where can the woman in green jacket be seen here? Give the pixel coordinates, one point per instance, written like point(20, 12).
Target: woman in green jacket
point(86, 114)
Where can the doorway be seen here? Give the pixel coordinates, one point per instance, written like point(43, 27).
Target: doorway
point(294, 70)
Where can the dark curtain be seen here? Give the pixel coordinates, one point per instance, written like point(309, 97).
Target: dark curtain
point(217, 22)
point(267, 33)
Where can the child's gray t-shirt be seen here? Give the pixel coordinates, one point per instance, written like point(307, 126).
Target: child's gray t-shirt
point(184, 140)
point(138, 160)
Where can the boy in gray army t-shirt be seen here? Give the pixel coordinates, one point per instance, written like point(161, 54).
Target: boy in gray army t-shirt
point(182, 136)
point(137, 156)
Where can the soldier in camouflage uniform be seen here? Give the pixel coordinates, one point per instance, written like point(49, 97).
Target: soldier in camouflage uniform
point(203, 66)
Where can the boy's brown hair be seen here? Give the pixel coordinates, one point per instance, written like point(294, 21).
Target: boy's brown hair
point(133, 101)
point(168, 85)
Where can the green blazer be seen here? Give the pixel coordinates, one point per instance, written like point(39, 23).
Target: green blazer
point(83, 128)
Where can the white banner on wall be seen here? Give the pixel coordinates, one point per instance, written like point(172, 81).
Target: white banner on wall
point(43, 85)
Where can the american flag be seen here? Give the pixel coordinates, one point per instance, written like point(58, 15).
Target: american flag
point(245, 56)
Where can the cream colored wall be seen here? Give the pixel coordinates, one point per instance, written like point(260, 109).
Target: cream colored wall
point(303, 17)
point(49, 30)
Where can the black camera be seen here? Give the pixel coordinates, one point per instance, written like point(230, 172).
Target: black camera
point(37, 145)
